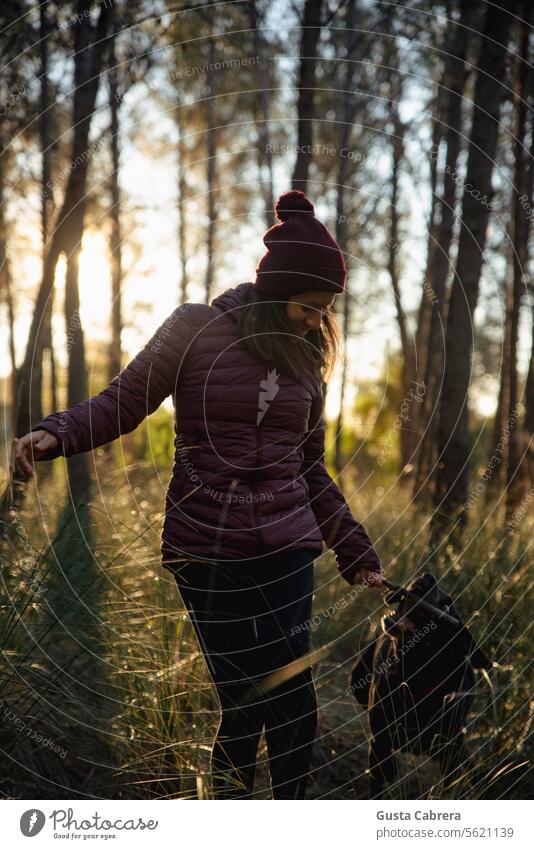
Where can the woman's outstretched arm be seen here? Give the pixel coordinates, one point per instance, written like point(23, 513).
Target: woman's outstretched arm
point(134, 394)
point(341, 532)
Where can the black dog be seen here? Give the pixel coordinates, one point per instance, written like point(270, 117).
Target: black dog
point(415, 680)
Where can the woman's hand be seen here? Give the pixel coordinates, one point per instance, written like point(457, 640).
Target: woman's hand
point(33, 445)
point(370, 578)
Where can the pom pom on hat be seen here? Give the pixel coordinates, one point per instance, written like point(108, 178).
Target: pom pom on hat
point(301, 254)
point(290, 203)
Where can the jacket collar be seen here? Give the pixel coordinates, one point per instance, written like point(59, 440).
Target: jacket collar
point(230, 300)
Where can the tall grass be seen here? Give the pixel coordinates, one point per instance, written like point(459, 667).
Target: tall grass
point(99, 657)
point(490, 576)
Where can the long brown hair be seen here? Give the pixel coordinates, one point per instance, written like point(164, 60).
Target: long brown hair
point(268, 334)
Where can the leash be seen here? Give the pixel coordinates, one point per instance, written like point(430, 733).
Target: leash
point(295, 666)
point(440, 614)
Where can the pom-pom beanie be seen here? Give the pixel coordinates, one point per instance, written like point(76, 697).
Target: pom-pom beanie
point(301, 254)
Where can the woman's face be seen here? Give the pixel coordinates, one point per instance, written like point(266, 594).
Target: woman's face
point(306, 310)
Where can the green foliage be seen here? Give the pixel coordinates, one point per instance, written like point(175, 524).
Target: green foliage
point(375, 434)
point(157, 438)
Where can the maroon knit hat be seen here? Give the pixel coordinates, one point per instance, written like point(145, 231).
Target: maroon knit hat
point(301, 254)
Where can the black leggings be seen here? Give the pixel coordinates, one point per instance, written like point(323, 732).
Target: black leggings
point(251, 618)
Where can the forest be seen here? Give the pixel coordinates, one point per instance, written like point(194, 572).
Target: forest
point(143, 145)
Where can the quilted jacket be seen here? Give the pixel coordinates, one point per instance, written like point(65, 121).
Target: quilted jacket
point(249, 475)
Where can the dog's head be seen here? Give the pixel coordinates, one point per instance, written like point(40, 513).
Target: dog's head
point(411, 616)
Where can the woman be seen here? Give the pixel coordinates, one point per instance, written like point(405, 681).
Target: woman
point(250, 500)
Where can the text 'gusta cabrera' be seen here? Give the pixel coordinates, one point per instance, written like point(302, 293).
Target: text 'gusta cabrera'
point(418, 815)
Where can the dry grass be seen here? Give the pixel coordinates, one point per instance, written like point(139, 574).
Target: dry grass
point(100, 659)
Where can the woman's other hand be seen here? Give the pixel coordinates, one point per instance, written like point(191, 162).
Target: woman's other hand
point(34, 445)
point(370, 578)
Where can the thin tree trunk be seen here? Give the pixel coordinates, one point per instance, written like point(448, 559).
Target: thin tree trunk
point(88, 63)
point(115, 242)
point(84, 103)
point(494, 475)
point(311, 31)
point(265, 157)
point(45, 129)
point(6, 281)
point(423, 315)
point(453, 431)
point(435, 285)
point(44, 341)
point(181, 206)
point(211, 165)
point(343, 178)
point(408, 352)
point(521, 228)
point(528, 421)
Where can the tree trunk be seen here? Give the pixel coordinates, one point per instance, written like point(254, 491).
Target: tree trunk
point(181, 207)
point(211, 165)
point(423, 315)
point(494, 474)
point(115, 241)
point(343, 179)
point(453, 432)
point(311, 30)
point(505, 425)
point(528, 422)
point(88, 63)
point(519, 264)
point(6, 289)
point(44, 341)
point(435, 285)
point(408, 352)
point(265, 157)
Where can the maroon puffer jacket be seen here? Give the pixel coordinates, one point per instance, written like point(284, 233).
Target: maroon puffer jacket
point(249, 472)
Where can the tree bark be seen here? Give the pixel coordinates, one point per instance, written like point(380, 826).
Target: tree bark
point(423, 315)
point(265, 157)
point(6, 281)
point(519, 263)
point(115, 241)
point(435, 285)
point(44, 341)
point(528, 421)
point(453, 432)
point(311, 30)
point(407, 346)
point(66, 233)
point(181, 207)
point(343, 179)
point(211, 166)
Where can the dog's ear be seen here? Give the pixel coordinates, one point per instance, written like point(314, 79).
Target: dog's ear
point(426, 587)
